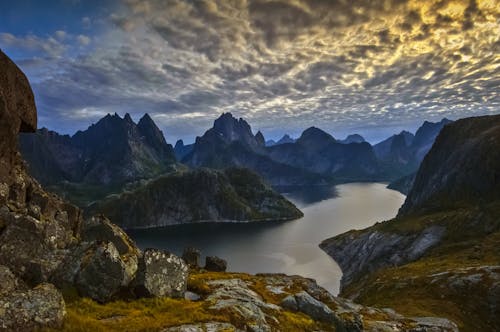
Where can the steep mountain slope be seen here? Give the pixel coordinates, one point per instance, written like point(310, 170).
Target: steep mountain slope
point(198, 196)
point(114, 150)
point(440, 255)
point(182, 150)
point(401, 154)
point(318, 152)
point(231, 143)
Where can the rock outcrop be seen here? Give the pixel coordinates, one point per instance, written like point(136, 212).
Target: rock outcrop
point(202, 195)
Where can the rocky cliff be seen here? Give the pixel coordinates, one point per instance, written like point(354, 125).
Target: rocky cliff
point(201, 195)
point(443, 236)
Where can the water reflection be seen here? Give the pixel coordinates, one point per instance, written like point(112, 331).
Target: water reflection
point(287, 247)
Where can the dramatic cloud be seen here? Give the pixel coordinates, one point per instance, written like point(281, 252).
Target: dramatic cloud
point(283, 65)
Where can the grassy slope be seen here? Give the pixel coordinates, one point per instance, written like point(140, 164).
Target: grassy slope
point(155, 314)
point(415, 289)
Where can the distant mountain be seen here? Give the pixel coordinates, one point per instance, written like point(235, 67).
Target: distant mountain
point(233, 194)
point(111, 152)
point(230, 142)
point(401, 154)
point(318, 152)
point(182, 150)
point(445, 237)
point(354, 138)
point(283, 140)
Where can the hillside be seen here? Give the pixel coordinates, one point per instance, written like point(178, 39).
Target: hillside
point(440, 251)
point(198, 196)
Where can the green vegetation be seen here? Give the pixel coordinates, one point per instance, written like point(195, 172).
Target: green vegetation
point(452, 280)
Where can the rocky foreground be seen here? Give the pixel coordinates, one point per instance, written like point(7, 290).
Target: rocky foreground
point(59, 271)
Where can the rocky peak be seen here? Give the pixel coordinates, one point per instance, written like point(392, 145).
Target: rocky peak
point(285, 139)
point(315, 138)
point(179, 144)
point(232, 129)
point(259, 137)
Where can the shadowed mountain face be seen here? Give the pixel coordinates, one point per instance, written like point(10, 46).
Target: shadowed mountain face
point(114, 150)
point(317, 151)
point(401, 154)
point(314, 158)
point(231, 143)
point(463, 167)
point(442, 248)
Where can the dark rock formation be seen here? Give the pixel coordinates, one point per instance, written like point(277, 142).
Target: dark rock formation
point(182, 150)
point(192, 257)
point(214, 263)
point(404, 184)
point(198, 196)
point(160, 274)
point(462, 168)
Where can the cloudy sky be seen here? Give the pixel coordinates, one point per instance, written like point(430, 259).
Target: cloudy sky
point(372, 67)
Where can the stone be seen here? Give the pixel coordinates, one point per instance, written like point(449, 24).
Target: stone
point(8, 281)
point(99, 228)
point(216, 264)
point(192, 257)
point(38, 308)
point(160, 274)
point(305, 303)
point(102, 272)
point(203, 327)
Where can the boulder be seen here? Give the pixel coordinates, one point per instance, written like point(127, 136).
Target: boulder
point(192, 257)
point(33, 309)
point(102, 272)
point(305, 303)
point(160, 274)
point(99, 228)
point(216, 264)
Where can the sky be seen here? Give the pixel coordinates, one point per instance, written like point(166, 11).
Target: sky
point(346, 66)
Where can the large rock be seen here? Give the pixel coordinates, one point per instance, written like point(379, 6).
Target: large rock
point(161, 274)
point(17, 114)
point(34, 309)
point(305, 303)
point(102, 272)
point(192, 257)
point(214, 263)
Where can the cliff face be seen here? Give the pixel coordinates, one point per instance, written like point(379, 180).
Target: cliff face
point(463, 168)
point(198, 196)
point(443, 236)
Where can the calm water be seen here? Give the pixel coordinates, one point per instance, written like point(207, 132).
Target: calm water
point(287, 247)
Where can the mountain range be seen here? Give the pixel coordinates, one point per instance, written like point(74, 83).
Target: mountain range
point(441, 251)
point(116, 153)
point(114, 150)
